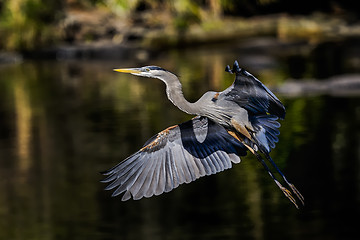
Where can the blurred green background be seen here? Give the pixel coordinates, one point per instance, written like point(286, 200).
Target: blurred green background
point(31, 24)
point(65, 116)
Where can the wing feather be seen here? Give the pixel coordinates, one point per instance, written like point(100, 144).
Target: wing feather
point(142, 184)
point(267, 131)
point(169, 185)
point(179, 154)
point(153, 178)
point(161, 184)
point(124, 175)
point(173, 157)
point(193, 167)
point(179, 170)
point(251, 94)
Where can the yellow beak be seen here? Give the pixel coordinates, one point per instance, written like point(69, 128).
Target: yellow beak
point(127, 70)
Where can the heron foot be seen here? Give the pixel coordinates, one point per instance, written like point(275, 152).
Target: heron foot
point(287, 193)
point(297, 193)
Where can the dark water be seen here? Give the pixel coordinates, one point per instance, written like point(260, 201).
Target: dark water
point(63, 122)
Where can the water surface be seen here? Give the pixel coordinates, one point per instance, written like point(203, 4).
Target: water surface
point(63, 122)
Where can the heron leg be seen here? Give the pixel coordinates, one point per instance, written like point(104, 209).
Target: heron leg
point(293, 188)
point(286, 192)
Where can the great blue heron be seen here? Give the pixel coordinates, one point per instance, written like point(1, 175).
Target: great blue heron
point(227, 124)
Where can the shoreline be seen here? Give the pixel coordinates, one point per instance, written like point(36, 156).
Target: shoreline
point(116, 38)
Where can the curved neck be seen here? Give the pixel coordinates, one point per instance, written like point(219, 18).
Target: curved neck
point(176, 96)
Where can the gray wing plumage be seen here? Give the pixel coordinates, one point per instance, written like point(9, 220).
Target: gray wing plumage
point(251, 94)
point(266, 131)
point(179, 154)
point(263, 107)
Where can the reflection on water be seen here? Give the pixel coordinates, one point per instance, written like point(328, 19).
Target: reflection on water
point(61, 123)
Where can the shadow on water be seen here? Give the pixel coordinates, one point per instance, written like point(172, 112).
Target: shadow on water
point(61, 123)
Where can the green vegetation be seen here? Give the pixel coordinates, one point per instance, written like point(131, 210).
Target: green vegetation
point(33, 24)
point(27, 24)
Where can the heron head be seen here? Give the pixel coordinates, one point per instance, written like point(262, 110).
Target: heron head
point(147, 71)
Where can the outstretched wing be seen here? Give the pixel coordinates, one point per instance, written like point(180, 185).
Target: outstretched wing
point(251, 94)
point(179, 154)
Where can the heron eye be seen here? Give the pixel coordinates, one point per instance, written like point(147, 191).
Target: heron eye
point(147, 69)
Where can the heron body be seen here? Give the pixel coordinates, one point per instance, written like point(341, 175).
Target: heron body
point(228, 123)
